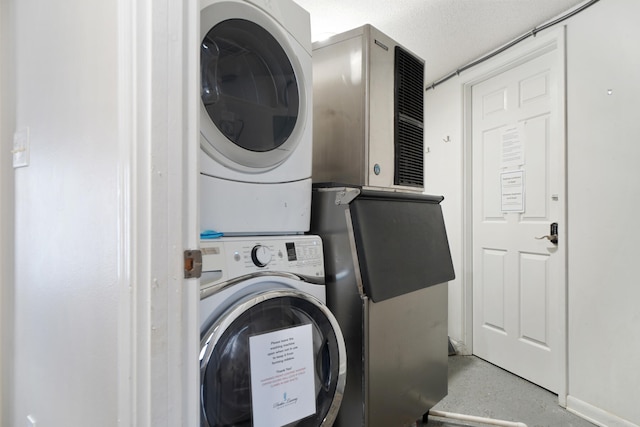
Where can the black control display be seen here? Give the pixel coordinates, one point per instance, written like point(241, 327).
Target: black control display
point(291, 251)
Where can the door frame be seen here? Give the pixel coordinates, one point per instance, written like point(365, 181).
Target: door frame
point(531, 48)
point(158, 145)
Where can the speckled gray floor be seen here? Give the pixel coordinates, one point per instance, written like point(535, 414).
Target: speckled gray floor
point(481, 389)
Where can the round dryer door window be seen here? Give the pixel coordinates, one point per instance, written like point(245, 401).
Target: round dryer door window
point(251, 334)
point(250, 93)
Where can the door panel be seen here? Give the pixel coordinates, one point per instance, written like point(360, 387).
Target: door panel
point(533, 273)
point(493, 291)
point(518, 191)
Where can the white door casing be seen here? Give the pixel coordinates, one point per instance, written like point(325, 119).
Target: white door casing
point(518, 190)
point(158, 214)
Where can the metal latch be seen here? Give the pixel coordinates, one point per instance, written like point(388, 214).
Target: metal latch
point(192, 263)
point(553, 234)
point(345, 196)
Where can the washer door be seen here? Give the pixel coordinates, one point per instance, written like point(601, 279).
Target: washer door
point(251, 87)
point(225, 362)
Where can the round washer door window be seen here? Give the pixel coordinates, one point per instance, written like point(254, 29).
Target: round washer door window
point(225, 357)
point(250, 93)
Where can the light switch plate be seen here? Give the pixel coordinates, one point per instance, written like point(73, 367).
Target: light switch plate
point(21, 148)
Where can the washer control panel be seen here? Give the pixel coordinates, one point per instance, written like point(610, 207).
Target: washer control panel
point(232, 257)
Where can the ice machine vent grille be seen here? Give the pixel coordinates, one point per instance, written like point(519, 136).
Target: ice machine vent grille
point(409, 119)
point(409, 156)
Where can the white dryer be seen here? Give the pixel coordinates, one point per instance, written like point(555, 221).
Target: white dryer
point(272, 354)
point(255, 117)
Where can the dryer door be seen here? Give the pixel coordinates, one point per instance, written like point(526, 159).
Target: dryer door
point(251, 87)
point(228, 352)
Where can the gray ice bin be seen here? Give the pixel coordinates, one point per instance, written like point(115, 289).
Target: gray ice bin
point(387, 261)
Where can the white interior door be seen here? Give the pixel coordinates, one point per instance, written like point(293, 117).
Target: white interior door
point(518, 192)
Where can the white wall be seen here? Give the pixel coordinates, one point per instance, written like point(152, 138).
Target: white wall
point(604, 197)
point(603, 188)
point(66, 211)
point(443, 176)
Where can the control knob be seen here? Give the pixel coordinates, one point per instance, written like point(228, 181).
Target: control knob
point(261, 255)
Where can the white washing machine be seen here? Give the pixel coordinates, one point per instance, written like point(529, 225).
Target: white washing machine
point(255, 117)
point(272, 354)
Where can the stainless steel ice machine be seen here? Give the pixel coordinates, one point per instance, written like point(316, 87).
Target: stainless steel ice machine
point(387, 261)
point(368, 111)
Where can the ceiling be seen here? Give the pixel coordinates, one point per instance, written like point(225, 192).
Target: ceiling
point(447, 34)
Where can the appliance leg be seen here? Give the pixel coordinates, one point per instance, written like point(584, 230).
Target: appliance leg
point(471, 418)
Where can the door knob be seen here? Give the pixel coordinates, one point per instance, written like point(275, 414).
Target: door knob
point(553, 234)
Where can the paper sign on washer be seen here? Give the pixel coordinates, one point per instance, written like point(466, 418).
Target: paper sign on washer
point(282, 376)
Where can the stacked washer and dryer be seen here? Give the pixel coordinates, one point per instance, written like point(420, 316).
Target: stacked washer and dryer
point(272, 354)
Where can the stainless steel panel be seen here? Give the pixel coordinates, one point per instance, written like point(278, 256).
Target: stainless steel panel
point(381, 102)
point(339, 111)
point(343, 299)
point(407, 350)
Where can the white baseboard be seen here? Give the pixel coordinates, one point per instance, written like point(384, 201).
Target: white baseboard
point(596, 415)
